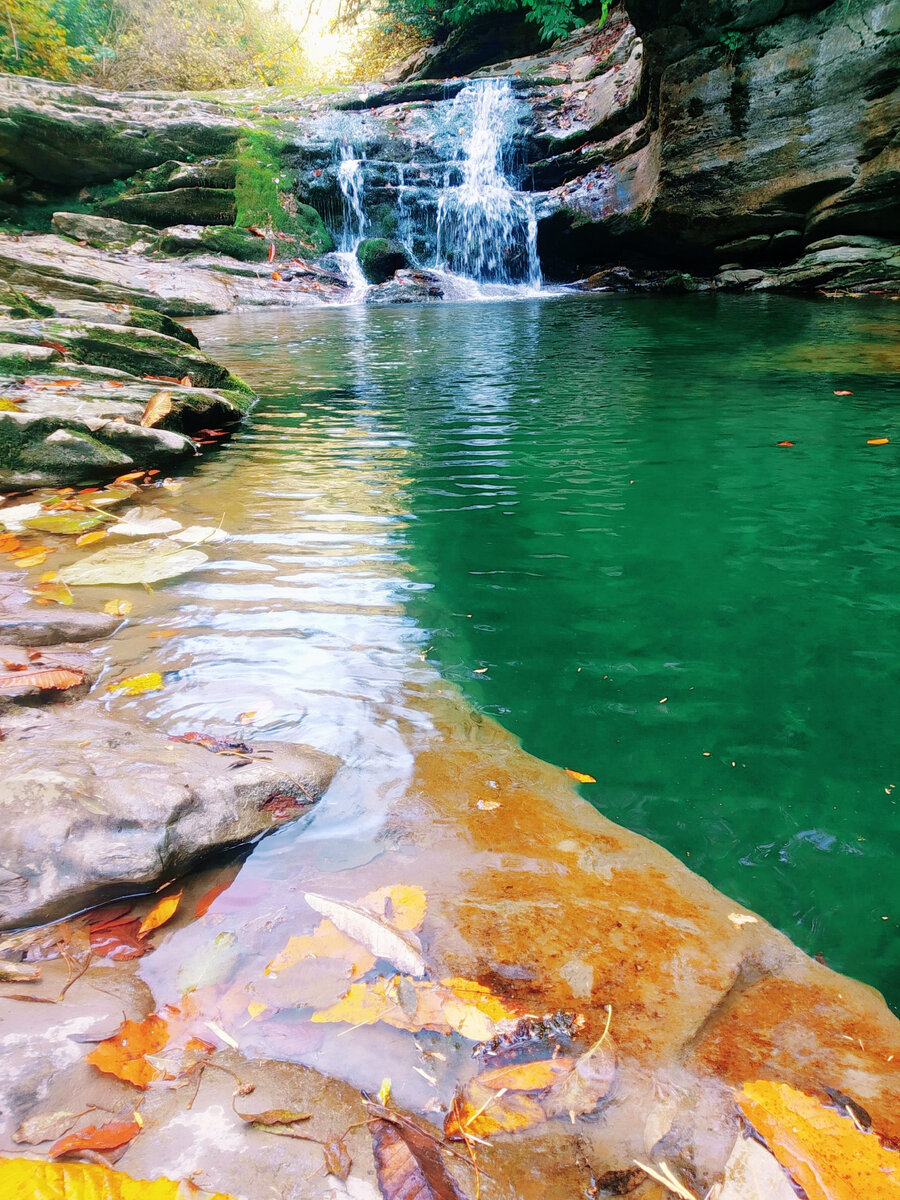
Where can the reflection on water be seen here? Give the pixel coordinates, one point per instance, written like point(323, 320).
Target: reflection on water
point(576, 509)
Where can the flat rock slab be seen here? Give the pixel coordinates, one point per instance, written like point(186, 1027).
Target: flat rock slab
point(93, 807)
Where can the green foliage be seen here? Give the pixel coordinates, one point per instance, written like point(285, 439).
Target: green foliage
point(33, 41)
point(435, 17)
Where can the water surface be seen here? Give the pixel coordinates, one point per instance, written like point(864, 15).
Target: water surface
point(578, 511)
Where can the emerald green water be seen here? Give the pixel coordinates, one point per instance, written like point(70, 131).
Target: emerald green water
point(596, 510)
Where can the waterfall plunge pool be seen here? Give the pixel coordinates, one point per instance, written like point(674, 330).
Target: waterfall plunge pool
point(578, 512)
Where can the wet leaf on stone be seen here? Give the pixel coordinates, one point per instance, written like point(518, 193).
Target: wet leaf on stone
point(119, 941)
point(53, 679)
point(160, 913)
point(158, 406)
point(53, 590)
point(45, 1127)
point(11, 972)
point(409, 1164)
point(824, 1152)
point(24, 1177)
point(96, 1137)
point(144, 564)
point(337, 1159)
point(274, 1116)
point(124, 1054)
point(326, 941)
point(118, 608)
point(88, 539)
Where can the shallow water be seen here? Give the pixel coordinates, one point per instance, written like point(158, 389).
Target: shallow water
point(583, 499)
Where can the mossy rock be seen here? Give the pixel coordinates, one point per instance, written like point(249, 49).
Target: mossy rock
point(169, 176)
point(264, 192)
point(103, 233)
point(195, 206)
point(380, 258)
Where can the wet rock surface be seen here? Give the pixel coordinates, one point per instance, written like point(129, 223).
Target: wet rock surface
point(93, 807)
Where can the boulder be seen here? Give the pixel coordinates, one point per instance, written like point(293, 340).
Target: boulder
point(197, 205)
point(210, 173)
point(93, 807)
point(103, 233)
point(379, 258)
point(69, 134)
point(407, 287)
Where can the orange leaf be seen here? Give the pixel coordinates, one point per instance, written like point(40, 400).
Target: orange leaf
point(527, 1077)
point(123, 1054)
point(579, 777)
point(271, 254)
point(877, 441)
point(277, 275)
point(158, 406)
point(843, 392)
point(54, 679)
point(96, 1137)
point(87, 539)
point(205, 902)
point(129, 478)
point(785, 443)
point(8, 543)
point(55, 590)
point(186, 381)
point(160, 913)
point(824, 1152)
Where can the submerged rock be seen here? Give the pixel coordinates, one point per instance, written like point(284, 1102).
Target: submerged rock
point(94, 807)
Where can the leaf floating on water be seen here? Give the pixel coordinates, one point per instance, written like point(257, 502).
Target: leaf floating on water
point(384, 940)
point(53, 590)
point(158, 406)
point(877, 441)
point(327, 941)
point(124, 1055)
point(118, 608)
point(88, 539)
point(409, 1164)
point(96, 1137)
point(843, 392)
point(25, 1178)
point(160, 913)
point(133, 564)
point(785, 443)
point(137, 685)
point(579, 777)
point(65, 522)
point(824, 1151)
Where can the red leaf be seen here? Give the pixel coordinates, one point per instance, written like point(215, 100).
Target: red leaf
point(120, 941)
point(96, 1137)
point(204, 904)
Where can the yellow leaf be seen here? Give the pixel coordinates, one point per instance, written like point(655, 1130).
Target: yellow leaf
point(255, 1007)
point(136, 685)
point(96, 535)
point(527, 1077)
point(118, 608)
point(27, 1179)
point(579, 776)
point(327, 941)
point(160, 913)
point(824, 1152)
point(54, 590)
point(158, 406)
point(877, 441)
point(402, 905)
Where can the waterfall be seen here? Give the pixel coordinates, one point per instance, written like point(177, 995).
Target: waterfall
point(454, 203)
point(486, 228)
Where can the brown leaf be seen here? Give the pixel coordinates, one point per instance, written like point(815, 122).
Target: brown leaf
point(409, 1164)
point(337, 1159)
point(158, 406)
point(45, 1127)
point(274, 1116)
point(56, 679)
point(96, 1137)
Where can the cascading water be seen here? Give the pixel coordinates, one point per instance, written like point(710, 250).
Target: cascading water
point(454, 205)
point(486, 228)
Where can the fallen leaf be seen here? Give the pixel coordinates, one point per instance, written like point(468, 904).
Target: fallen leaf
point(88, 539)
point(54, 590)
point(785, 443)
point(124, 1054)
point(27, 1179)
point(66, 523)
point(271, 255)
point(137, 685)
point(752, 1173)
point(205, 902)
point(54, 679)
point(409, 1165)
point(824, 1152)
point(158, 406)
point(161, 912)
point(9, 542)
point(527, 1077)
point(133, 564)
point(274, 1116)
point(45, 1127)
point(337, 1159)
point(213, 744)
point(740, 919)
point(119, 941)
point(843, 392)
point(579, 776)
point(118, 608)
point(246, 718)
point(277, 276)
point(96, 1137)
point(877, 441)
point(326, 941)
point(11, 972)
point(256, 1008)
point(384, 940)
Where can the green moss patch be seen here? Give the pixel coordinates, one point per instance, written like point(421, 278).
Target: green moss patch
point(265, 197)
